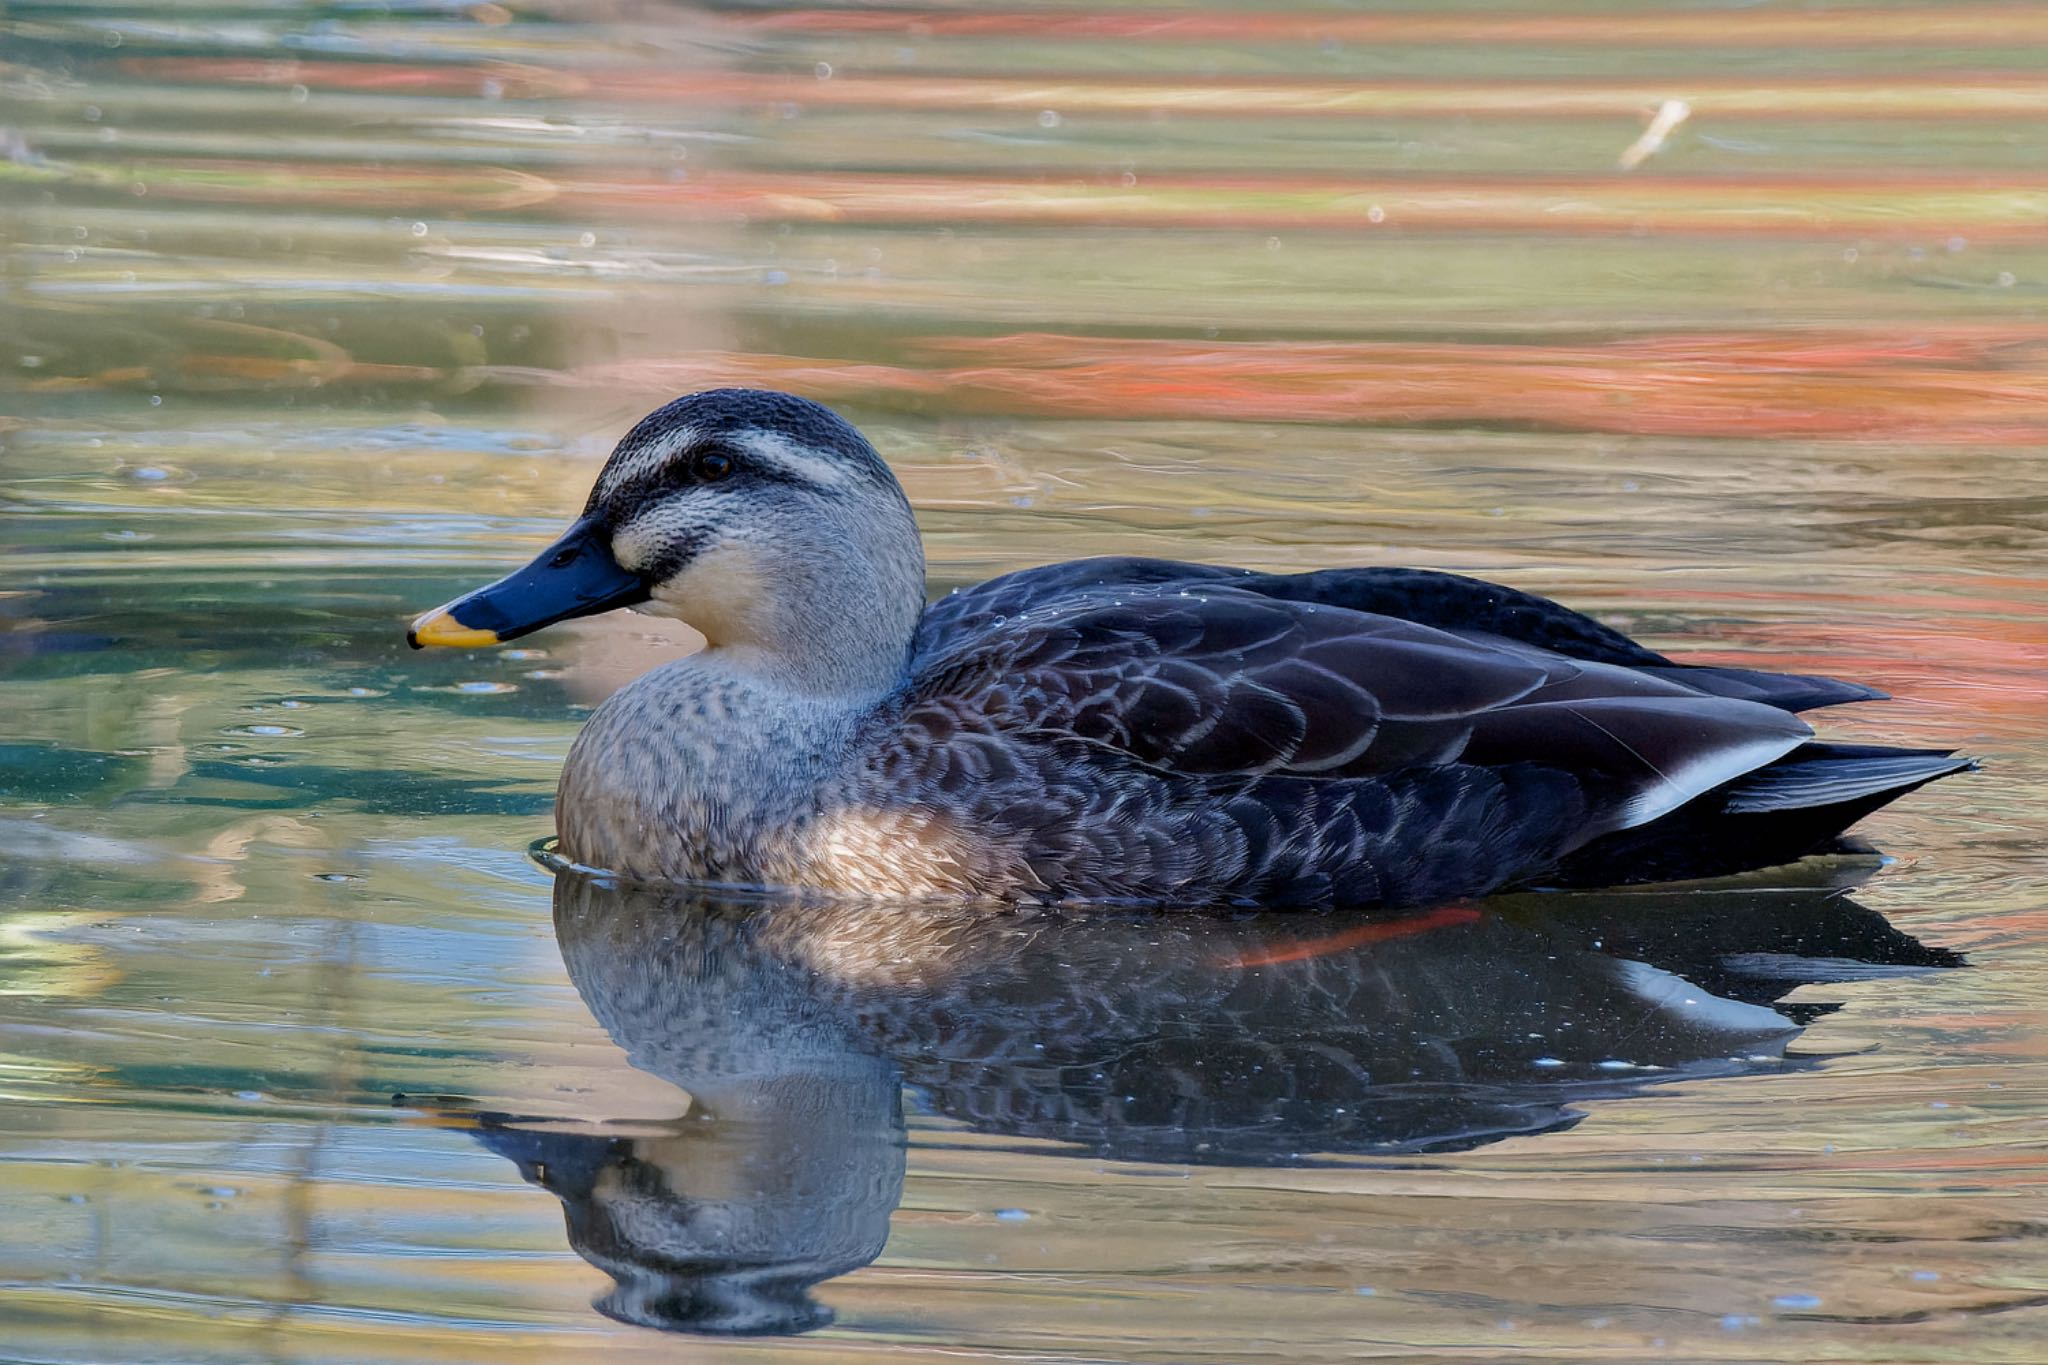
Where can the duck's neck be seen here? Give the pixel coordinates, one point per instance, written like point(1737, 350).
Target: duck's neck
point(833, 621)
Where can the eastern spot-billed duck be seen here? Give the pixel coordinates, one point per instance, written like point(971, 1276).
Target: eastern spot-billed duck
point(1124, 729)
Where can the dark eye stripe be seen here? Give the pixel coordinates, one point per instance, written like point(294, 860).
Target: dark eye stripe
point(680, 472)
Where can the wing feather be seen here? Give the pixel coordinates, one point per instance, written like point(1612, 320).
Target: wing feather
point(1219, 682)
point(1134, 727)
point(1461, 606)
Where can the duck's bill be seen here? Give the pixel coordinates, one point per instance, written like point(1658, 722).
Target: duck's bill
point(575, 576)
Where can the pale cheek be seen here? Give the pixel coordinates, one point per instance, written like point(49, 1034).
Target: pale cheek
point(631, 551)
point(719, 594)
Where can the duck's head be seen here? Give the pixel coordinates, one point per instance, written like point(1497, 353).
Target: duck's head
point(763, 521)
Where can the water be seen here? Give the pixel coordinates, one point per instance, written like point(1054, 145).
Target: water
point(316, 315)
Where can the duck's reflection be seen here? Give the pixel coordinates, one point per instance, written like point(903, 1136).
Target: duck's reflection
point(1272, 1039)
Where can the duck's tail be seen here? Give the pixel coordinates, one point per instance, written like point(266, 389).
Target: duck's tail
point(1781, 812)
point(1821, 776)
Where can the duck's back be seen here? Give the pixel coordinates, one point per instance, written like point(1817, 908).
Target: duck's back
point(1142, 729)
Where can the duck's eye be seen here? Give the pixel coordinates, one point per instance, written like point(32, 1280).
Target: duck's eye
point(711, 465)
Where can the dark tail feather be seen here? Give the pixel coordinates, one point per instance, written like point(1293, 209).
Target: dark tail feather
point(1786, 691)
point(1781, 812)
point(1819, 776)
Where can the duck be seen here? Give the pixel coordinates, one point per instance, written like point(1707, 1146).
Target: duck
point(1125, 730)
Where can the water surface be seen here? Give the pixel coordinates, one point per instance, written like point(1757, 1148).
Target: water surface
point(314, 315)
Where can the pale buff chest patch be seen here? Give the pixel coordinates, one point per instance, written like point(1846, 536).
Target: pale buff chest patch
point(908, 851)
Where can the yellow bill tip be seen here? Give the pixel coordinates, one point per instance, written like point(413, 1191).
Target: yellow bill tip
point(440, 628)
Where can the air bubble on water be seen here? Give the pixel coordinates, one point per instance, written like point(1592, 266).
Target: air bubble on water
point(1048, 118)
point(419, 229)
point(266, 731)
point(823, 71)
point(1797, 1301)
point(2006, 279)
point(1375, 214)
point(1548, 1063)
point(587, 239)
point(1012, 1216)
point(1926, 1276)
point(300, 94)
